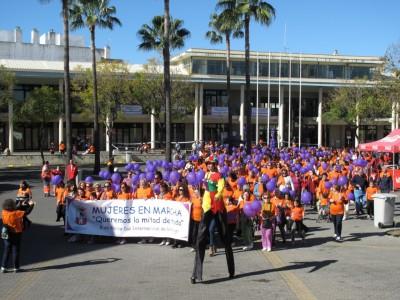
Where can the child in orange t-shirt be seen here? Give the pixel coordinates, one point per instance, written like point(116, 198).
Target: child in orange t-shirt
point(297, 216)
point(195, 218)
point(370, 191)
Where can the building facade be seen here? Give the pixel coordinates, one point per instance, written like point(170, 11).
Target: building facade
point(287, 94)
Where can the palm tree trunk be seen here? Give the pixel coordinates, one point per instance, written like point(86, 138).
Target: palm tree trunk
point(228, 88)
point(247, 90)
point(96, 168)
point(167, 82)
point(67, 98)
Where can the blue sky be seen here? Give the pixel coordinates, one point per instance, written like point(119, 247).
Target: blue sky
point(358, 27)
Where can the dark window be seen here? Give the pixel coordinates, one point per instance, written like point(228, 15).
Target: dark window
point(214, 98)
point(199, 66)
point(238, 68)
point(216, 67)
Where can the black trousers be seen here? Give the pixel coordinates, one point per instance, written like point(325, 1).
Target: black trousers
point(337, 224)
point(370, 208)
point(202, 240)
point(193, 232)
point(12, 245)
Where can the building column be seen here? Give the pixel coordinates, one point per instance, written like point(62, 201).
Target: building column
point(241, 116)
point(201, 112)
point(196, 112)
point(11, 127)
point(319, 118)
point(61, 118)
point(281, 116)
point(397, 115)
point(153, 129)
point(107, 126)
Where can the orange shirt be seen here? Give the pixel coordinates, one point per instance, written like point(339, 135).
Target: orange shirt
point(60, 195)
point(108, 195)
point(337, 206)
point(197, 210)
point(124, 196)
point(297, 213)
point(144, 193)
point(13, 219)
point(370, 191)
point(24, 193)
point(167, 196)
point(271, 172)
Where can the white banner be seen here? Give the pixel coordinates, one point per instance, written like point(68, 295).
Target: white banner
point(129, 218)
point(262, 112)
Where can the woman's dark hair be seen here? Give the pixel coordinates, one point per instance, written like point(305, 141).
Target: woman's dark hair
point(24, 184)
point(185, 190)
point(9, 204)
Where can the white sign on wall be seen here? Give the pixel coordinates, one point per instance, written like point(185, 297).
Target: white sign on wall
point(131, 109)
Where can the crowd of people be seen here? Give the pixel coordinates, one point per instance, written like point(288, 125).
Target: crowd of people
point(266, 190)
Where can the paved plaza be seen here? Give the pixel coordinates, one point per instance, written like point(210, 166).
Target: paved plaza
point(364, 266)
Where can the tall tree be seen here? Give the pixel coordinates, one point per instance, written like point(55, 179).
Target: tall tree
point(263, 13)
point(225, 25)
point(114, 89)
point(67, 79)
point(41, 106)
point(356, 104)
point(94, 14)
point(148, 91)
point(164, 34)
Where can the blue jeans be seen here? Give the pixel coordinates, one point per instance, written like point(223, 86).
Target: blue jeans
point(213, 224)
point(12, 245)
point(359, 197)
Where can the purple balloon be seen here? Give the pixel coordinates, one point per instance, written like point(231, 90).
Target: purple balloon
point(292, 194)
point(324, 166)
point(342, 181)
point(191, 178)
point(135, 179)
point(156, 189)
point(334, 181)
point(306, 198)
point(200, 175)
point(116, 187)
point(271, 185)
point(129, 167)
point(107, 175)
point(116, 178)
point(89, 179)
point(56, 179)
point(165, 175)
point(174, 177)
point(136, 167)
point(149, 176)
point(101, 173)
point(241, 181)
point(350, 196)
point(264, 178)
point(256, 205)
point(142, 176)
point(248, 210)
point(328, 185)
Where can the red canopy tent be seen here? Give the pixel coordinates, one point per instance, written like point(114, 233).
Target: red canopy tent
point(390, 143)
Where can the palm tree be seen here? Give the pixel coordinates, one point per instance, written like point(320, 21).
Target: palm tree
point(153, 38)
point(67, 81)
point(227, 24)
point(92, 14)
point(263, 13)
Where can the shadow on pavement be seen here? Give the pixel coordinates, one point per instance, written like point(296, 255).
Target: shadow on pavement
point(75, 264)
point(41, 243)
point(315, 265)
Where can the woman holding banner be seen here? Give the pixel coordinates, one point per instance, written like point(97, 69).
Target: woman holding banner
point(213, 207)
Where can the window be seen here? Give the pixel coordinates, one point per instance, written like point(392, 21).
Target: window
point(309, 71)
point(238, 68)
point(358, 72)
point(368, 133)
point(199, 66)
point(214, 98)
point(216, 67)
point(335, 72)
